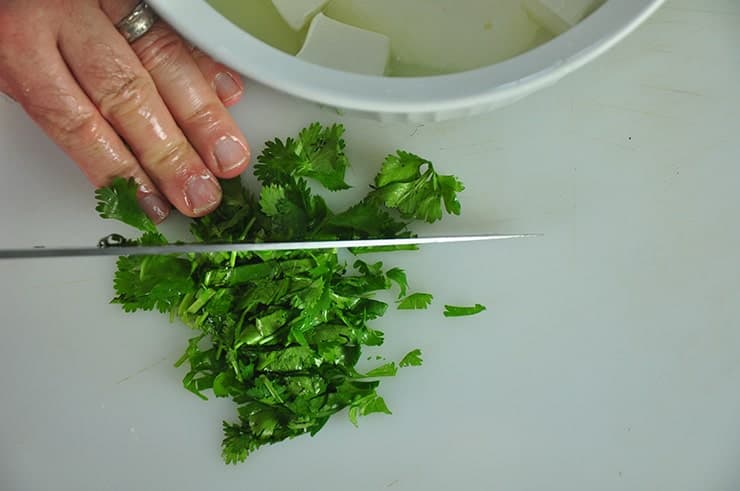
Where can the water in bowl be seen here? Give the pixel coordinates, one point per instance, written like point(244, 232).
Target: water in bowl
point(428, 37)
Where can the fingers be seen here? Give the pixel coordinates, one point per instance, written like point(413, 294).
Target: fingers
point(55, 101)
point(227, 83)
point(127, 97)
point(154, 110)
point(193, 102)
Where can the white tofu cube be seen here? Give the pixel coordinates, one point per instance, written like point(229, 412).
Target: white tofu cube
point(298, 13)
point(337, 45)
point(557, 16)
point(443, 36)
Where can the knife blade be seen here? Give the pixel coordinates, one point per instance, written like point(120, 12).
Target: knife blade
point(134, 250)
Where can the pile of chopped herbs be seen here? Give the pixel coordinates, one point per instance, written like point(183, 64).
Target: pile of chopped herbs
point(281, 333)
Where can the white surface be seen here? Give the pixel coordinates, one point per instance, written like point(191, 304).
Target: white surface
point(421, 99)
point(560, 15)
point(609, 357)
point(297, 13)
point(337, 45)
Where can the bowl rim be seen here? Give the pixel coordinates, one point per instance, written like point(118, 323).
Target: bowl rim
point(205, 27)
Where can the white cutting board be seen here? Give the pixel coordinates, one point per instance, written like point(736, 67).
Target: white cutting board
point(609, 357)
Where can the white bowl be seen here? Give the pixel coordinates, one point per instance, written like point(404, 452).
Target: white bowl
point(418, 99)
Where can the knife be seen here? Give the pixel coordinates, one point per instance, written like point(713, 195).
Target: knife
point(114, 245)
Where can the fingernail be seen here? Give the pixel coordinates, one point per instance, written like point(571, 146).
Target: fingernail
point(155, 207)
point(230, 153)
point(202, 194)
point(226, 86)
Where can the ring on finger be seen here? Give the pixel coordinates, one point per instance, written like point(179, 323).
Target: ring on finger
point(137, 23)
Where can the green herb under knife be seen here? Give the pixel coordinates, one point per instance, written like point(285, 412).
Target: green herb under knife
point(281, 333)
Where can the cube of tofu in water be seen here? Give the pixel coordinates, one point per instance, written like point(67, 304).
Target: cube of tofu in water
point(337, 45)
point(443, 36)
point(298, 13)
point(557, 16)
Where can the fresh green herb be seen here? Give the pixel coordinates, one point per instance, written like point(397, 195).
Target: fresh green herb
point(456, 311)
point(118, 202)
point(398, 276)
point(412, 359)
point(280, 333)
point(416, 301)
point(409, 183)
point(317, 153)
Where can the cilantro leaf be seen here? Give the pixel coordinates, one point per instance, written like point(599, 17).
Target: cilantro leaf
point(398, 276)
point(139, 286)
point(450, 186)
point(288, 219)
point(272, 200)
point(412, 359)
point(457, 311)
point(409, 183)
point(235, 220)
point(324, 149)
point(367, 405)
point(118, 201)
point(237, 444)
point(364, 220)
point(387, 370)
point(401, 167)
point(416, 301)
point(317, 153)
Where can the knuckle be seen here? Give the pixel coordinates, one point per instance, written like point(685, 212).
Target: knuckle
point(205, 118)
point(161, 50)
point(70, 128)
point(123, 94)
point(172, 160)
point(199, 55)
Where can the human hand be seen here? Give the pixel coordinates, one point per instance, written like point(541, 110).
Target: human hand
point(154, 109)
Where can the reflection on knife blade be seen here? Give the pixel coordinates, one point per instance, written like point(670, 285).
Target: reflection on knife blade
point(113, 249)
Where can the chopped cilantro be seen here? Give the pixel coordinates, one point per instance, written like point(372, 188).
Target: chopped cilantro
point(416, 301)
point(118, 201)
point(412, 359)
point(456, 311)
point(281, 333)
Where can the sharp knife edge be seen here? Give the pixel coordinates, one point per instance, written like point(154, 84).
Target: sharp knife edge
point(116, 250)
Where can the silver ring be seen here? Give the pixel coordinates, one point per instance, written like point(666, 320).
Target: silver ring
point(137, 23)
